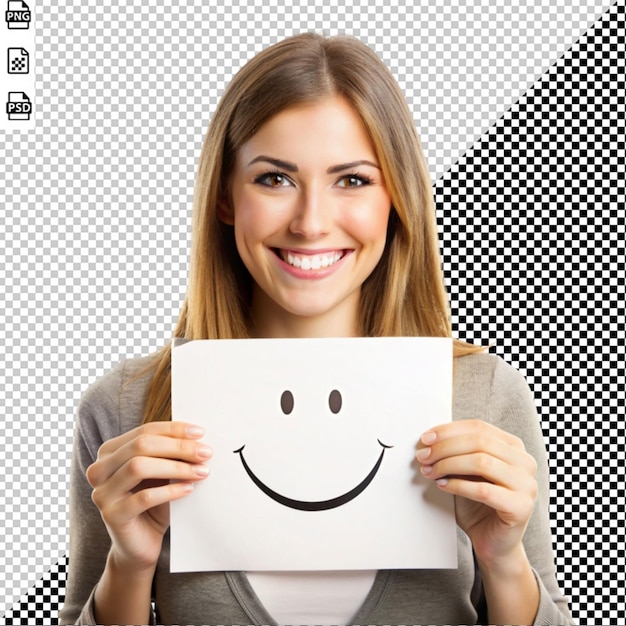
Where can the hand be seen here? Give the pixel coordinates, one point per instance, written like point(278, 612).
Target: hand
point(132, 489)
point(493, 478)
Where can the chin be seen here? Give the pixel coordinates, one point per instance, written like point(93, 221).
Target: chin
point(309, 312)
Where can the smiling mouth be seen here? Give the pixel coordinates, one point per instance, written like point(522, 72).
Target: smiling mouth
point(310, 261)
point(323, 505)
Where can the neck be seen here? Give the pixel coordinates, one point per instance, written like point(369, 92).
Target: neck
point(272, 322)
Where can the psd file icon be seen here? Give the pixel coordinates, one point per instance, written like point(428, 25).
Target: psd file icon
point(19, 106)
point(17, 61)
point(17, 15)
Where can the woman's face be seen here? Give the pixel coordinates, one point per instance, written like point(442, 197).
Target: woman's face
point(310, 211)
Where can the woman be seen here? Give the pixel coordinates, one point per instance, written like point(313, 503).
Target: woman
point(313, 217)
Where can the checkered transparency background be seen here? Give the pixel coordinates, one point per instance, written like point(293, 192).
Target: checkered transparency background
point(521, 111)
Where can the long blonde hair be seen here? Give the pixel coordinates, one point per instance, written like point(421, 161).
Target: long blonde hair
point(405, 294)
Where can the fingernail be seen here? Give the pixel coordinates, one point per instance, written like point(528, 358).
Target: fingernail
point(195, 431)
point(442, 482)
point(429, 438)
point(423, 454)
point(201, 470)
point(204, 452)
point(427, 469)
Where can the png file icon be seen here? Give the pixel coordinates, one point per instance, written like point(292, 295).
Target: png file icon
point(17, 15)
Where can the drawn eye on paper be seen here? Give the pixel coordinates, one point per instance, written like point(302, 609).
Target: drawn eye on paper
point(287, 403)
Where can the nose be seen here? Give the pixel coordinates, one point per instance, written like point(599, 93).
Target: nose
point(313, 215)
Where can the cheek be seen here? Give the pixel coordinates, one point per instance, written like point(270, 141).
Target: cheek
point(257, 221)
point(256, 213)
point(250, 218)
point(369, 226)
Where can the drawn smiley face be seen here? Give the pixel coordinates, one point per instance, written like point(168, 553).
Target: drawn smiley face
point(335, 403)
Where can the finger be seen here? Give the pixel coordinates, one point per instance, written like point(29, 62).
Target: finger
point(483, 467)
point(485, 442)
point(468, 428)
point(141, 473)
point(177, 430)
point(146, 444)
point(512, 507)
point(140, 469)
point(131, 507)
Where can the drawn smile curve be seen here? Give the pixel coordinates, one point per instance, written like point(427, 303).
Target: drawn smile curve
point(323, 505)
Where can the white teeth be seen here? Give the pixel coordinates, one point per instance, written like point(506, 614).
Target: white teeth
point(316, 262)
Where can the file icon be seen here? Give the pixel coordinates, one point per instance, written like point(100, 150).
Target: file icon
point(19, 106)
point(17, 14)
point(17, 61)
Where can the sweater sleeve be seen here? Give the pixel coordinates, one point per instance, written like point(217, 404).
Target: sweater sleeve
point(97, 420)
point(512, 408)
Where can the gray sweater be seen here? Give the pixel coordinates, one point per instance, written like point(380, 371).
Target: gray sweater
point(484, 387)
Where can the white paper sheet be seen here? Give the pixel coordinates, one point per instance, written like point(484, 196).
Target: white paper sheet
point(314, 489)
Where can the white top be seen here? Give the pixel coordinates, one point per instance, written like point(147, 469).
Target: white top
point(312, 597)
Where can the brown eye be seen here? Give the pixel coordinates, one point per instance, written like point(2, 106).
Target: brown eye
point(286, 402)
point(272, 179)
point(354, 180)
point(334, 401)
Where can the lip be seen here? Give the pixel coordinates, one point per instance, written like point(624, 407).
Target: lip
point(310, 252)
point(318, 274)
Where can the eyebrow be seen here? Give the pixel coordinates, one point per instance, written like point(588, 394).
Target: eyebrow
point(348, 166)
point(292, 167)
